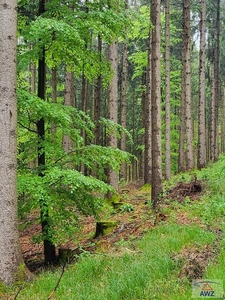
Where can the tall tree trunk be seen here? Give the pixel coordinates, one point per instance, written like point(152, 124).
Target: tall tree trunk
point(167, 87)
point(97, 98)
point(182, 128)
point(113, 106)
point(10, 254)
point(147, 118)
point(54, 92)
point(201, 158)
point(84, 99)
point(212, 115)
point(223, 123)
point(217, 83)
point(32, 77)
point(156, 105)
point(187, 80)
point(123, 173)
point(49, 248)
point(69, 100)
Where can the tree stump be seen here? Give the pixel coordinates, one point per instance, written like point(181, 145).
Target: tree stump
point(104, 227)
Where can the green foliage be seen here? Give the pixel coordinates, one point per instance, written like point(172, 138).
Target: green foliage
point(126, 207)
point(67, 192)
point(65, 34)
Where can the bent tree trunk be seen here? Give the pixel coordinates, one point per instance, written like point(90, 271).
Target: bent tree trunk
point(10, 254)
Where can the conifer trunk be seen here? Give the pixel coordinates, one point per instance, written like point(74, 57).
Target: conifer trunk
point(201, 158)
point(156, 105)
point(10, 254)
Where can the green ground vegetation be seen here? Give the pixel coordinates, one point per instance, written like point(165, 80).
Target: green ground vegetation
point(155, 266)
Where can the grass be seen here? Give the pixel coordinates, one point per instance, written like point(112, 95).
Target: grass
point(145, 272)
point(145, 269)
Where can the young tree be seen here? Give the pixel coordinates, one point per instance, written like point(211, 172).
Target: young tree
point(156, 102)
point(49, 248)
point(10, 254)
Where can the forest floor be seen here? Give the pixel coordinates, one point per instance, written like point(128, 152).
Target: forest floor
point(133, 219)
point(149, 255)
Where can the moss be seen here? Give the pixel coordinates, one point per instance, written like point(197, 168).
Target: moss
point(3, 288)
point(104, 227)
point(22, 275)
point(146, 188)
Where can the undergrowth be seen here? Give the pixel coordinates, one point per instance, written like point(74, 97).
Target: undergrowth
point(145, 269)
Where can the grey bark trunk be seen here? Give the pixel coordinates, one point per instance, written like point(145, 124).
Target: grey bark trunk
point(201, 158)
point(123, 173)
point(217, 83)
point(188, 102)
point(148, 118)
point(113, 106)
point(167, 88)
point(69, 100)
point(10, 254)
point(156, 106)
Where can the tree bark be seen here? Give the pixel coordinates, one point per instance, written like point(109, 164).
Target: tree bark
point(97, 99)
point(10, 254)
point(167, 88)
point(201, 158)
point(187, 80)
point(123, 173)
point(113, 106)
point(156, 105)
point(148, 118)
point(69, 100)
point(217, 83)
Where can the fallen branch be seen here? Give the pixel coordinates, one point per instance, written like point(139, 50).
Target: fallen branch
point(58, 282)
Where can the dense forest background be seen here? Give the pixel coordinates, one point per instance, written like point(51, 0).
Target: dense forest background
point(93, 110)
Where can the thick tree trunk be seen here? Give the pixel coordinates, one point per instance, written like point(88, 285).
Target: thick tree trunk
point(167, 88)
point(156, 106)
point(201, 158)
point(10, 254)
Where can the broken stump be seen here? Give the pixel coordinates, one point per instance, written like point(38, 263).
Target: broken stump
point(104, 227)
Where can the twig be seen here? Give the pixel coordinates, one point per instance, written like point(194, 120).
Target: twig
point(17, 294)
point(58, 282)
point(29, 129)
